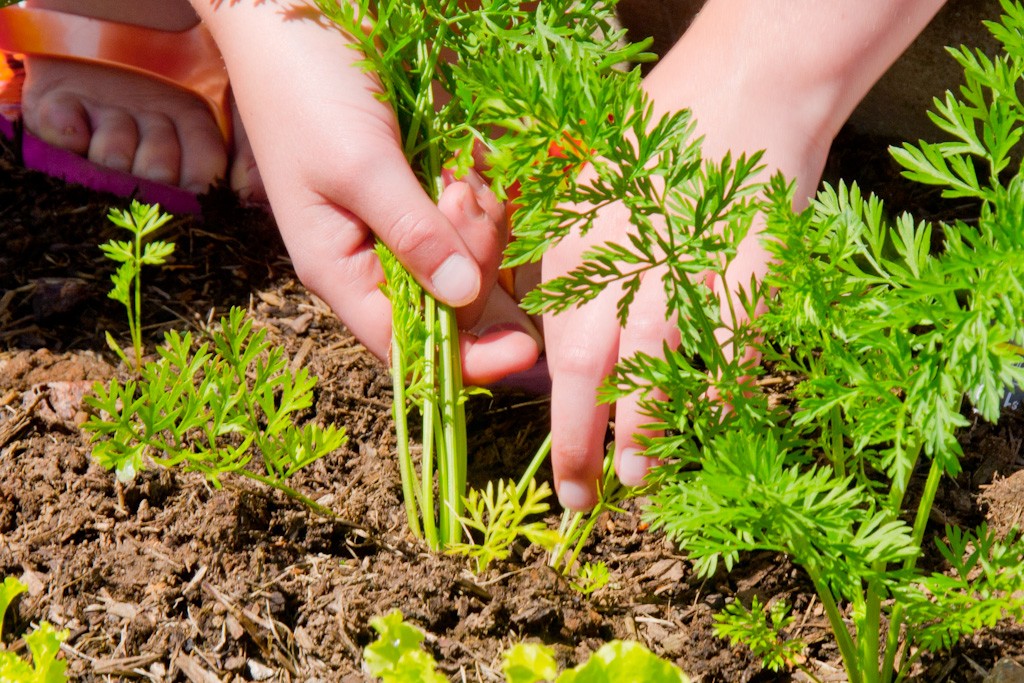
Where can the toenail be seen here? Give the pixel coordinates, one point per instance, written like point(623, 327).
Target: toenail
point(162, 174)
point(120, 162)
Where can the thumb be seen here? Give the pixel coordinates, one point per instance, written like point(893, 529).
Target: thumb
point(392, 203)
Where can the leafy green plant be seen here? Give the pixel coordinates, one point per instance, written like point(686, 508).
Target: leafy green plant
point(759, 628)
point(397, 657)
point(501, 515)
point(43, 646)
point(591, 577)
point(509, 512)
point(886, 328)
point(212, 409)
point(142, 220)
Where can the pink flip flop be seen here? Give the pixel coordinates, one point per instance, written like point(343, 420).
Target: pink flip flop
point(188, 60)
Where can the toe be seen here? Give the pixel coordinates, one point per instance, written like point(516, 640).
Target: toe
point(60, 120)
point(115, 138)
point(203, 155)
point(245, 178)
point(158, 156)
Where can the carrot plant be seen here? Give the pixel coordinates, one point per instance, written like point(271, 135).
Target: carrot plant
point(885, 335)
point(892, 330)
point(209, 409)
point(212, 409)
point(538, 88)
point(142, 221)
point(575, 528)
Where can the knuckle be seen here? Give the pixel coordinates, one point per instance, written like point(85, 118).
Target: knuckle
point(413, 236)
point(648, 328)
point(575, 358)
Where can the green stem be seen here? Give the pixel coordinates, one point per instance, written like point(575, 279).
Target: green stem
point(868, 634)
point(582, 538)
point(531, 469)
point(291, 493)
point(423, 105)
point(566, 533)
point(847, 647)
point(430, 422)
point(135, 317)
point(453, 419)
point(924, 509)
point(401, 416)
point(437, 438)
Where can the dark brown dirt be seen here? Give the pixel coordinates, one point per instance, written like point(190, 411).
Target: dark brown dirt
point(169, 579)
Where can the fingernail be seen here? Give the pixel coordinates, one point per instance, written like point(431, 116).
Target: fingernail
point(456, 281)
point(472, 207)
point(502, 327)
point(633, 467)
point(576, 496)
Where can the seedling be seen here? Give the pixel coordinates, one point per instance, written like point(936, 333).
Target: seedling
point(211, 410)
point(142, 220)
point(43, 646)
point(760, 629)
point(591, 577)
point(576, 527)
point(500, 517)
point(397, 656)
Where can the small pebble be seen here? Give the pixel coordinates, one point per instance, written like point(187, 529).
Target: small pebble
point(259, 671)
point(1006, 670)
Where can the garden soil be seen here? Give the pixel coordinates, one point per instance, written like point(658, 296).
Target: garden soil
point(169, 578)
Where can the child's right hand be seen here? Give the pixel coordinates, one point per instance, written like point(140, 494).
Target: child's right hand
point(328, 151)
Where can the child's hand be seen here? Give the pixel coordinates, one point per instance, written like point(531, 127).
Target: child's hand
point(329, 154)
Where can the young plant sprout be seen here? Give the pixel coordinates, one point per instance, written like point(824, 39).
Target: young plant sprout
point(576, 527)
point(43, 645)
point(143, 221)
point(211, 410)
point(397, 655)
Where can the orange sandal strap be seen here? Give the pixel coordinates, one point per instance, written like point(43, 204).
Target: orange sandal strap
point(186, 59)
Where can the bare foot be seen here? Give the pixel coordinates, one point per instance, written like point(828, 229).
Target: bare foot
point(129, 122)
